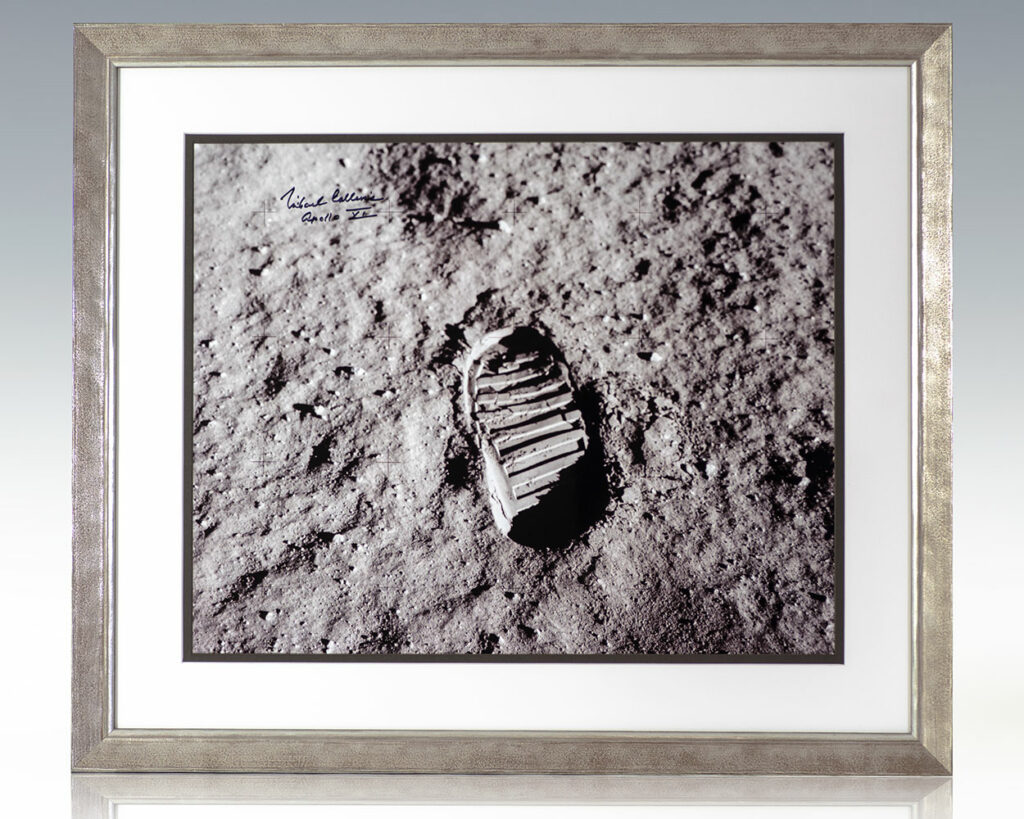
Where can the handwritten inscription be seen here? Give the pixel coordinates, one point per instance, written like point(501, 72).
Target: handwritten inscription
point(324, 209)
point(308, 216)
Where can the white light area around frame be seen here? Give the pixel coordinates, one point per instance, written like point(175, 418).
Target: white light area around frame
point(870, 106)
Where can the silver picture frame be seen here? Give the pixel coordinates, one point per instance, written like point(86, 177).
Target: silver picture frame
point(98, 745)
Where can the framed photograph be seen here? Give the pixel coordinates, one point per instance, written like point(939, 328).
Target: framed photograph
point(512, 399)
point(486, 397)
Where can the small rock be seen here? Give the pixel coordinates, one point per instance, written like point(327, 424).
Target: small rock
point(631, 495)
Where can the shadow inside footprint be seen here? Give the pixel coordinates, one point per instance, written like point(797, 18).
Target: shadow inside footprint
point(569, 509)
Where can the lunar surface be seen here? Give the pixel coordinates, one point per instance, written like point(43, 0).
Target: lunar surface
point(339, 499)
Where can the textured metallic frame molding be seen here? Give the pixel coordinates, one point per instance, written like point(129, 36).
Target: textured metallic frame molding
point(97, 745)
point(97, 796)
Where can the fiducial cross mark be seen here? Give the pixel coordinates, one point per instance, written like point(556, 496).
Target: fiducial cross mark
point(390, 211)
point(265, 210)
point(640, 212)
point(767, 338)
point(263, 460)
point(387, 337)
point(388, 462)
point(767, 210)
point(513, 210)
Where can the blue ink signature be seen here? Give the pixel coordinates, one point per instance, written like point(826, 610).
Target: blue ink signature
point(365, 210)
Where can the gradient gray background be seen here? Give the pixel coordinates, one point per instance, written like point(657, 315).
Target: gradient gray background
point(35, 329)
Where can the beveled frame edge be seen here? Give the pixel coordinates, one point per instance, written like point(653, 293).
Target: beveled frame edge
point(99, 50)
point(933, 604)
point(93, 795)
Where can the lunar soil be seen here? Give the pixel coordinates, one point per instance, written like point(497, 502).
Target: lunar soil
point(338, 499)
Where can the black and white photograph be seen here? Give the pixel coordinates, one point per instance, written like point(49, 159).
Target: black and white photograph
point(545, 397)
